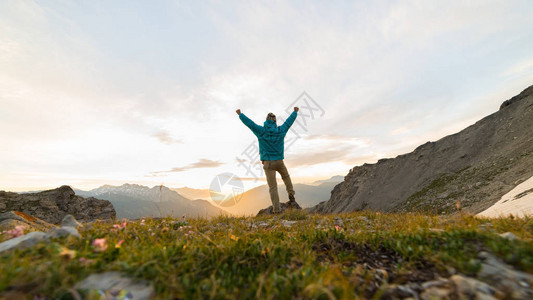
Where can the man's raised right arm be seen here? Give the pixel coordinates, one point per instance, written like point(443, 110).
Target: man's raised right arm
point(249, 123)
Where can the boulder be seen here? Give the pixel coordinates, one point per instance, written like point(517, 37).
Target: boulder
point(70, 221)
point(62, 232)
point(53, 205)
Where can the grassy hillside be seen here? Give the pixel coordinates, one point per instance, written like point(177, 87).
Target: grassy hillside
point(305, 256)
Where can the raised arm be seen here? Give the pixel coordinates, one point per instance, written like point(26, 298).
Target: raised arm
point(249, 123)
point(288, 123)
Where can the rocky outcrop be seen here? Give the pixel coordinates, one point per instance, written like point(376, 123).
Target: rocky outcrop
point(283, 206)
point(470, 170)
point(51, 206)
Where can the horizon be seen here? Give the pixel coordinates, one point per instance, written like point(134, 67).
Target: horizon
point(97, 94)
point(36, 190)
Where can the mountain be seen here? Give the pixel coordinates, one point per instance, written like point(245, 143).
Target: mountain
point(469, 170)
point(193, 194)
point(253, 200)
point(334, 179)
point(52, 205)
point(134, 201)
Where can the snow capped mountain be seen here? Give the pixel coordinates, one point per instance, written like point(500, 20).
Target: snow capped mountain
point(134, 201)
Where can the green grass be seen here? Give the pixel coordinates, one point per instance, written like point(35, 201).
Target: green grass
point(241, 258)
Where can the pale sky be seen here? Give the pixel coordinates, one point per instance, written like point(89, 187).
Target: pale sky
point(113, 92)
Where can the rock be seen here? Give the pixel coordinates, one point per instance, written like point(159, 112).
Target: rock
point(115, 281)
point(263, 224)
point(509, 235)
point(29, 240)
point(288, 223)
point(399, 292)
point(515, 284)
point(436, 293)
point(52, 205)
point(15, 217)
point(284, 206)
point(70, 221)
point(436, 283)
point(62, 232)
point(470, 288)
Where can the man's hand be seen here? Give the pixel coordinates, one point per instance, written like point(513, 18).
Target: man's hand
point(238, 111)
point(296, 109)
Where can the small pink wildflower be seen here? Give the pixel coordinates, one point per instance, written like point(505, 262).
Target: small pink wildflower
point(100, 245)
point(16, 232)
point(338, 228)
point(119, 244)
point(119, 226)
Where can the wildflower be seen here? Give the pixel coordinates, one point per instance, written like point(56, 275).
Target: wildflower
point(142, 222)
point(234, 237)
point(100, 245)
point(85, 261)
point(119, 244)
point(16, 232)
point(119, 226)
point(338, 228)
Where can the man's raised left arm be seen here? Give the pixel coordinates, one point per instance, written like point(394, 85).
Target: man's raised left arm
point(288, 123)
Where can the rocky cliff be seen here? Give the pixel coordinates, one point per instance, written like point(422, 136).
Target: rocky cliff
point(52, 205)
point(469, 170)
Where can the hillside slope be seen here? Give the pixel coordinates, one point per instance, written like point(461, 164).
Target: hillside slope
point(476, 167)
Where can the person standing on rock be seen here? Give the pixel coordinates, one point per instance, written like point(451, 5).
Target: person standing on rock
point(271, 149)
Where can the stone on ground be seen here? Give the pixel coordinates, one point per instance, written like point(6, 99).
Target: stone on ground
point(114, 282)
point(29, 240)
point(62, 232)
point(70, 221)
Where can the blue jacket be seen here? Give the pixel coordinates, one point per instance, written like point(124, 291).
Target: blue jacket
point(271, 137)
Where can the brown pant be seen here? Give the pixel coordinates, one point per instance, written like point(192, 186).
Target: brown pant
point(270, 167)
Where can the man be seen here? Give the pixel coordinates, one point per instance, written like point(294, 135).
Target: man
point(271, 148)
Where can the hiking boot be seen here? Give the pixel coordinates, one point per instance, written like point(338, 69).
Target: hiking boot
point(292, 203)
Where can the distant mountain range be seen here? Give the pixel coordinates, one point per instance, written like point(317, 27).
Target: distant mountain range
point(134, 201)
point(467, 171)
point(307, 195)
